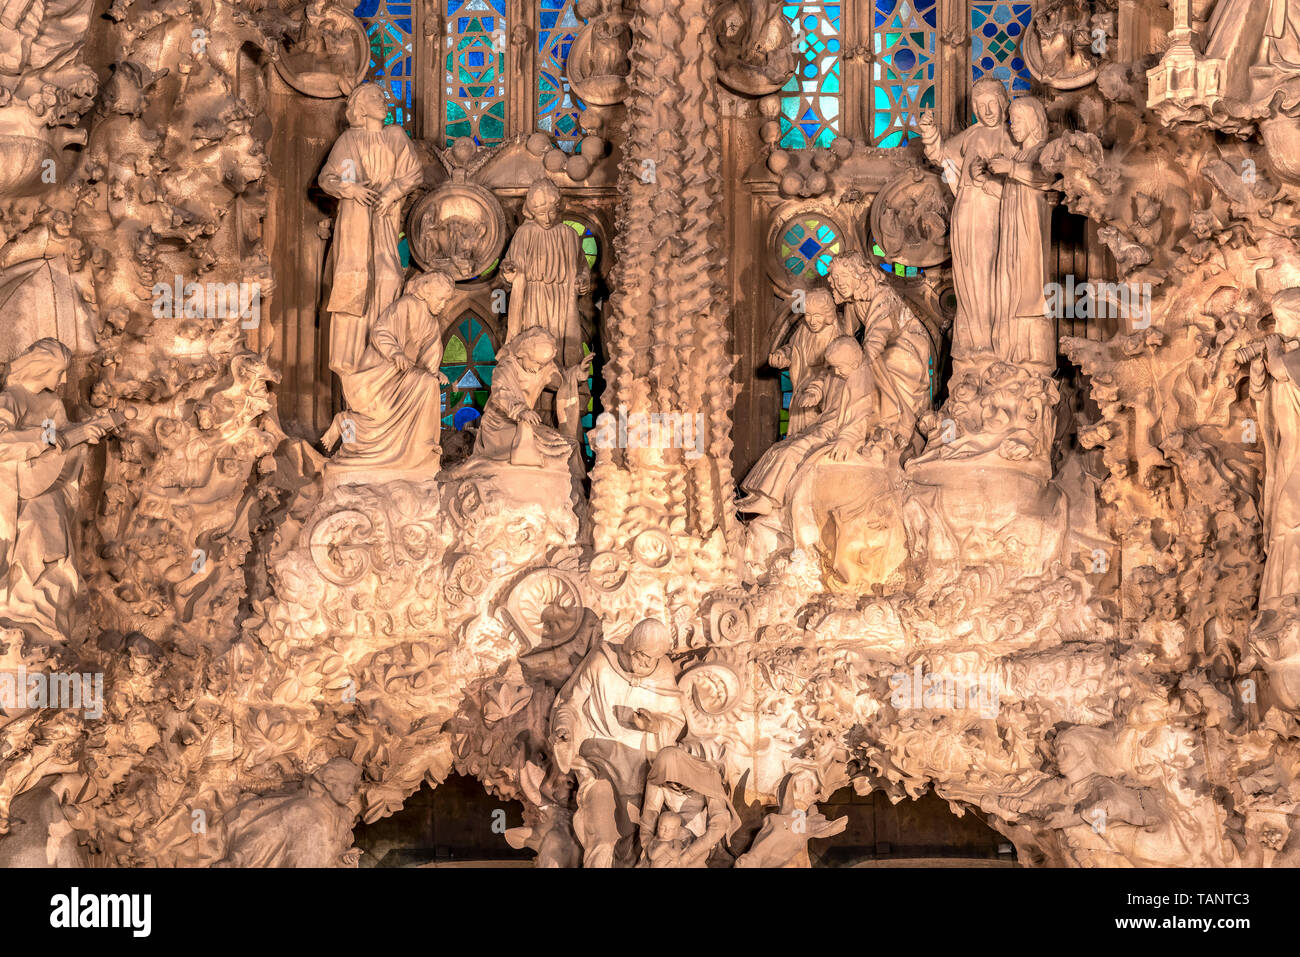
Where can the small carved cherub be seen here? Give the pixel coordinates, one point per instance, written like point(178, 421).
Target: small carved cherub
point(671, 841)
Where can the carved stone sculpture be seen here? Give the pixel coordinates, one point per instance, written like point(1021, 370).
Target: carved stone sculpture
point(394, 415)
point(613, 716)
point(511, 430)
point(371, 169)
point(547, 273)
point(964, 160)
point(42, 454)
point(839, 432)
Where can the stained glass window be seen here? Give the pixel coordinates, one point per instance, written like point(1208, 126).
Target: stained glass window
point(895, 269)
point(468, 358)
point(590, 245)
point(808, 246)
point(558, 109)
point(810, 108)
point(904, 39)
point(787, 390)
point(390, 26)
point(475, 42)
point(995, 32)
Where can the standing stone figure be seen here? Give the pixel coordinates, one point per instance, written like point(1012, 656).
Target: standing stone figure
point(370, 169)
point(394, 398)
point(1023, 333)
point(547, 272)
point(1275, 386)
point(621, 707)
point(975, 212)
point(41, 458)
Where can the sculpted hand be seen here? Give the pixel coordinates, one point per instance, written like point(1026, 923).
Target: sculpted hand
point(925, 122)
point(402, 362)
point(530, 418)
point(1000, 165)
point(778, 360)
point(840, 450)
point(362, 194)
point(442, 379)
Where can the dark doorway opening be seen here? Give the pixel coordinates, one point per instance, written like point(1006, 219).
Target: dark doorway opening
point(924, 831)
point(454, 824)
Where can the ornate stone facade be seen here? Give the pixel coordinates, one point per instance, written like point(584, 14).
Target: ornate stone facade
point(1027, 545)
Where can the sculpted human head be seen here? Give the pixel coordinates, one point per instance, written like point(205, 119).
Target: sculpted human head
point(434, 289)
point(668, 826)
point(844, 355)
point(1028, 121)
point(851, 278)
point(649, 642)
point(368, 101)
point(535, 348)
point(41, 366)
point(542, 204)
point(989, 99)
point(819, 309)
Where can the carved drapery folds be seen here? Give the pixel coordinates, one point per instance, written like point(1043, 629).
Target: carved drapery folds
point(1060, 595)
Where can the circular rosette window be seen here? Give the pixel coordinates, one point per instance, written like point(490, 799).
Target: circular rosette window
point(545, 607)
point(802, 246)
point(340, 546)
point(909, 220)
point(459, 229)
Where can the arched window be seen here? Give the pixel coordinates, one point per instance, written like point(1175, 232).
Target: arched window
point(469, 356)
point(810, 108)
point(904, 40)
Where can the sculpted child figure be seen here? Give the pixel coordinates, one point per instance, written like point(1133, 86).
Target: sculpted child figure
point(805, 356)
point(838, 433)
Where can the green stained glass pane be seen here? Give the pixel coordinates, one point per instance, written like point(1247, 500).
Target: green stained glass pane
point(453, 371)
point(455, 351)
point(483, 351)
